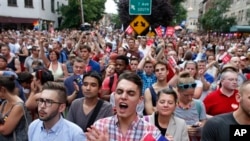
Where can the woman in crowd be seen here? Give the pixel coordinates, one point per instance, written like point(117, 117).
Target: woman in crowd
point(192, 68)
point(109, 71)
point(59, 70)
point(172, 127)
point(212, 69)
point(13, 115)
point(189, 109)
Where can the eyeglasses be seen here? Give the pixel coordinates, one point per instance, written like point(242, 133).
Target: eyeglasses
point(186, 86)
point(47, 102)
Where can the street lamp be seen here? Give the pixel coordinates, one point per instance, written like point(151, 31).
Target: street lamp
point(190, 8)
point(82, 14)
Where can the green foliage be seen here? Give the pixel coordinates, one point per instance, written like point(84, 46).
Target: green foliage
point(179, 11)
point(214, 20)
point(93, 11)
point(116, 20)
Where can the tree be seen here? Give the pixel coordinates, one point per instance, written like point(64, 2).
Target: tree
point(162, 13)
point(180, 13)
point(71, 14)
point(214, 19)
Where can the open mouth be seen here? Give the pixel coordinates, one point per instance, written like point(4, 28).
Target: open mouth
point(123, 106)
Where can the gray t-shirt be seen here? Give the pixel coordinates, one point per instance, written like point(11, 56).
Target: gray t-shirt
point(192, 115)
point(76, 113)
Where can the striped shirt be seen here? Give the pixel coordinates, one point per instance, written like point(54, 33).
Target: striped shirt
point(137, 131)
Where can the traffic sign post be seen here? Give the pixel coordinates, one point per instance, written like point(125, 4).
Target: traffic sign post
point(140, 7)
point(139, 24)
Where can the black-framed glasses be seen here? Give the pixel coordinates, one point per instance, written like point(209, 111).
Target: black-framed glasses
point(47, 102)
point(186, 86)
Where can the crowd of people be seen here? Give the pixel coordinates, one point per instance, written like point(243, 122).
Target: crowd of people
point(99, 85)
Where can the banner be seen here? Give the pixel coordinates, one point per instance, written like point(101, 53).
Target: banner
point(170, 31)
point(226, 58)
point(158, 31)
point(129, 30)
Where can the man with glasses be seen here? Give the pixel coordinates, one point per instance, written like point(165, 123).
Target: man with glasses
point(51, 125)
point(223, 99)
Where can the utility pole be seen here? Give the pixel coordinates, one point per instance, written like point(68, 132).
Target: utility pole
point(82, 13)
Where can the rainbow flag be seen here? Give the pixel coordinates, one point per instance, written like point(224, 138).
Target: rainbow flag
point(36, 25)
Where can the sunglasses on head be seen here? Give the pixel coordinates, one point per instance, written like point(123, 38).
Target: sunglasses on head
point(186, 86)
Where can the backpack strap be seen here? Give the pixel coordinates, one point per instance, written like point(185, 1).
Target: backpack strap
point(111, 81)
point(153, 95)
point(198, 107)
point(94, 114)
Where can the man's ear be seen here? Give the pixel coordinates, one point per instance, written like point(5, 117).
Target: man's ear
point(62, 108)
point(141, 99)
point(238, 97)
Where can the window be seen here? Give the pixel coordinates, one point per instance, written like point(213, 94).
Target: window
point(42, 4)
point(28, 3)
point(12, 3)
point(53, 6)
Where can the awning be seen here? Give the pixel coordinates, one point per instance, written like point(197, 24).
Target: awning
point(240, 28)
point(16, 20)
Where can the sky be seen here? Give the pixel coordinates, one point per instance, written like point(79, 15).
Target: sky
point(110, 7)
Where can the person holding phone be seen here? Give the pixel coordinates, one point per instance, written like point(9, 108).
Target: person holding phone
point(191, 110)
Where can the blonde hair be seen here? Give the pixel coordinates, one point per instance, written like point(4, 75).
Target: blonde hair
point(185, 78)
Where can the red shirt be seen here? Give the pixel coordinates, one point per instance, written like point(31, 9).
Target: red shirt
point(218, 103)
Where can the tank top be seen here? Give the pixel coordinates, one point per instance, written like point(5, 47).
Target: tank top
point(58, 73)
point(11, 64)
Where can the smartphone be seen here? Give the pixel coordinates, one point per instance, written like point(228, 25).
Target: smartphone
point(195, 125)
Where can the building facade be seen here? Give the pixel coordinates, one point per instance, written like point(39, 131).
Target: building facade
point(27, 14)
point(192, 7)
point(240, 9)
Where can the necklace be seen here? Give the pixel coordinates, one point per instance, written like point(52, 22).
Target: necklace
point(184, 107)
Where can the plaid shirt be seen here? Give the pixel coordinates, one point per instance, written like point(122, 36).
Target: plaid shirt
point(148, 80)
point(138, 130)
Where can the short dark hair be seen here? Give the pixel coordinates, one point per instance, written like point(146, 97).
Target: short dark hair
point(133, 77)
point(8, 82)
point(44, 75)
point(160, 62)
point(124, 58)
point(59, 88)
point(85, 47)
point(4, 58)
point(95, 75)
point(24, 77)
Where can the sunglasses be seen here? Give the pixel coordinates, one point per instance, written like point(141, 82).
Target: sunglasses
point(186, 86)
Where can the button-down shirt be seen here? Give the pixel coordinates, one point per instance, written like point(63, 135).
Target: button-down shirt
point(63, 130)
point(138, 130)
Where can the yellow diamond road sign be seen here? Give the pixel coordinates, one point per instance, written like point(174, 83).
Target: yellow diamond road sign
point(139, 24)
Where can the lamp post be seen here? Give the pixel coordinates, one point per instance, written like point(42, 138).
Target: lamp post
point(82, 13)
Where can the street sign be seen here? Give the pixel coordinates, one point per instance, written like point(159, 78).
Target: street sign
point(139, 24)
point(140, 7)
